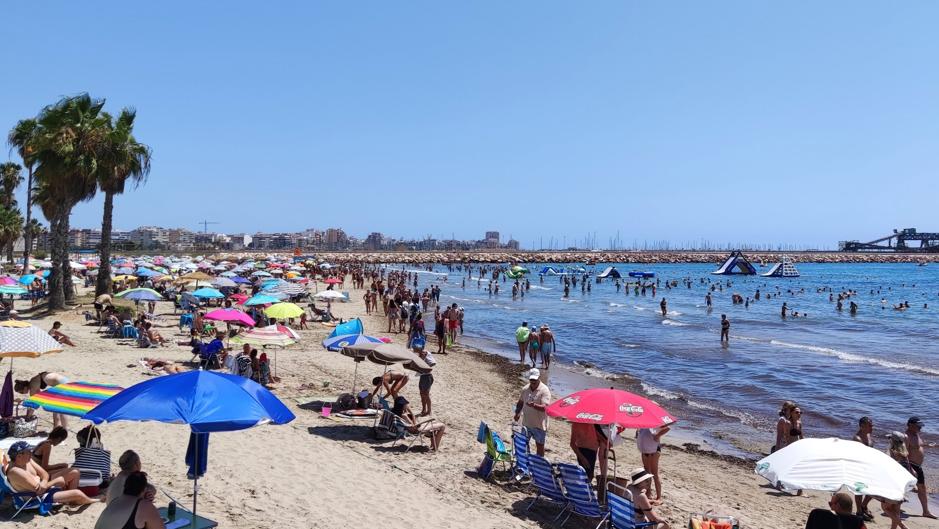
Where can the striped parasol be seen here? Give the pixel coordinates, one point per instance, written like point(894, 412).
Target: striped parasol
point(21, 339)
point(72, 398)
point(263, 337)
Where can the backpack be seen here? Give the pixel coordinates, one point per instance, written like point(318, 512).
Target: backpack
point(346, 401)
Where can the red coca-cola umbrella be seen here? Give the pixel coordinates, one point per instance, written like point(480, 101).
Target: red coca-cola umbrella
point(610, 406)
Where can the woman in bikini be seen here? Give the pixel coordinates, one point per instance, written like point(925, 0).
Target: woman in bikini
point(38, 383)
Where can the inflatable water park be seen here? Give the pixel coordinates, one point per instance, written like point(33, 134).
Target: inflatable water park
point(736, 264)
point(785, 268)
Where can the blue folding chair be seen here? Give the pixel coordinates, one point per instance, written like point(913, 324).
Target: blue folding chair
point(520, 466)
point(622, 510)
point(23, 501)
point(208, 353)
point(546, 483)
point(580, 494)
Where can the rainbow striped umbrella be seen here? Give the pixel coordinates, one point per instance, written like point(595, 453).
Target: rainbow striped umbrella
point(72, 398)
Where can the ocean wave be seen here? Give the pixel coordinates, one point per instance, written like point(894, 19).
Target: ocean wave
point(741, 416)
point(568, 300)
point(538, 287)
point(616, 304)
point(637, 307)
point(858, 359)
point(674, 323)
point(674, 313)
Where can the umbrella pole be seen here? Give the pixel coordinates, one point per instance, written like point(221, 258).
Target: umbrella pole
point(195, 481)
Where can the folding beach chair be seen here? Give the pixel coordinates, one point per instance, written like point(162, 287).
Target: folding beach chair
point(546, 483)
point(579, 493)
point(396, 428)
point(208, 354)
point(520, 466)
point(622, 510)
point(23, 501)
point(496, 451)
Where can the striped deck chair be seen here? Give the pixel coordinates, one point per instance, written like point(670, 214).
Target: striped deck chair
point(579, 493)
point(622, 510)
point(520, 466)
point(546, 484)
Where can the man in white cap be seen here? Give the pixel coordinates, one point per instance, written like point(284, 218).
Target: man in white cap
point(531, 406)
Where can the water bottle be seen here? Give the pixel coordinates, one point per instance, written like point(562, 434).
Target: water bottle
point(171, 510)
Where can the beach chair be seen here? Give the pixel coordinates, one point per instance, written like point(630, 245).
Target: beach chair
point(520, 466)
point(23, 501)
point(398, 430)
point(580, 495)
point(546, 484)
point(128, 330)
point(208, 354)
point(622, 510)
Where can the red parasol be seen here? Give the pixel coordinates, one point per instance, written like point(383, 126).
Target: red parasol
point(610, 406)
point(333, 281)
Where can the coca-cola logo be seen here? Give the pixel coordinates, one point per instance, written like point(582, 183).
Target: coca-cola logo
point(569, 401)
point(596, 417)
point(630, 409)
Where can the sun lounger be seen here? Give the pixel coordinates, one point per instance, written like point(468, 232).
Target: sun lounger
point(622, 511)
point(580, 495)
point(546, 483)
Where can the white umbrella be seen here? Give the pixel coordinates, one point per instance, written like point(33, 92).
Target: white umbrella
point(221, 282)
point(832, 464)
point(329, 294)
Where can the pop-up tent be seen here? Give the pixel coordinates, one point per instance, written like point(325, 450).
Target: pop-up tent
point(736, 264)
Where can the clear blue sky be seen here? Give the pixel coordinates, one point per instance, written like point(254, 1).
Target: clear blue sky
point(791, 122)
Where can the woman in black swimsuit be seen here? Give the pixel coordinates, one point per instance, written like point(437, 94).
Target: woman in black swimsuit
point(133, 509)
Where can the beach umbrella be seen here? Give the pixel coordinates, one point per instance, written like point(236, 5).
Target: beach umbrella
point(832, 464)
point(263, 337)
point(238, 298)
point(228, 274)
point(123, 278)
point(21, 339)
point(77, 266)
point(146, 272)
point(27, 279)
point(197, 276)
point(223, 282)
point(7, 280)
point(336, 343)
point(329, 295)
point(260, 273)
point(283, 311)
point(384, 354)
point(260, 299)
point(140, 294)
point(72, 398)
point(209, 293)
point(353, 326)
point(124, 270)
point(240, 280)
point(605, 406)
point(333, 281)
point(12, 290)
point(288, 288)
point(205, 400)
point(283, 329)
point(231, 316)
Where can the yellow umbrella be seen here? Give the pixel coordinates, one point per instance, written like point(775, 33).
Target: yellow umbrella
point(124, 278)
point(282, 311)
point(291, 275)
point(20, 339)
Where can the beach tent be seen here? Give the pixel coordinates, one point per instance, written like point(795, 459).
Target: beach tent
point(736, 264)
point(349, 327)
point(610, 272)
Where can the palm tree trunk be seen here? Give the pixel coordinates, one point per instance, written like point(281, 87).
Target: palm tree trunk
point(67, 285)
point(56, 294)
point(27, 236)
point(103, 286)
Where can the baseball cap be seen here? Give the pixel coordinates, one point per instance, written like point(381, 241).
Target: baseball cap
point(534, 374)
point(915, 420)
point(17, 447)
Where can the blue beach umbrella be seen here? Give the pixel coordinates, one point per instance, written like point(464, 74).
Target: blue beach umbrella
point(336, 343)
point(124, 270)
point(207, 292)
point(27, 279)
point(240, 280)
point(12, 290)
point(146, 272)
point(205, 400)
point(260, 299)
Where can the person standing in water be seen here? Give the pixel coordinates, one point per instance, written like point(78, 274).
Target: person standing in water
point(522, 334)
point(664, 305)
point(547, 345)
point(725, 329)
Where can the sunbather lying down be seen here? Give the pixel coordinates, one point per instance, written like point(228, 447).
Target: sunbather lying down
point(161, 364)
point(430, 427)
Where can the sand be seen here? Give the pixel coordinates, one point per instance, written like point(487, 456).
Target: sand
point(329, 473)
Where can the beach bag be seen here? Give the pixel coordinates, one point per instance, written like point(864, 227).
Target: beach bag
point(25, 427)
point(484, 470)
point(89, 461)
point(346, 401)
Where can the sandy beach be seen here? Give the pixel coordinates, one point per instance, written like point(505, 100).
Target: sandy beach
point(330, 473)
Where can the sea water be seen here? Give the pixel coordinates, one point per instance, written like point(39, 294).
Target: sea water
point(881, 362)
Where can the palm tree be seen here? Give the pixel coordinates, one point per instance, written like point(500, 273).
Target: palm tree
point(11, 227)
point(10, 178)
point(125, 160)
point(70, 139)
point(23, 139)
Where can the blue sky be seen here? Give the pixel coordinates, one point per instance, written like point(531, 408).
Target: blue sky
point(796, 122)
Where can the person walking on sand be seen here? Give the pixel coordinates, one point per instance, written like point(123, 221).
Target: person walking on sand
point(914, 448)
point(664, 305)
point(531, 405)
point(522, 335)
point(725, 329)
point(649, 442)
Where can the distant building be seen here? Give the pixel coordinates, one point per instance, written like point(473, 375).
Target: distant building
point(491, 240)
point(374, 241)
point(512, 244)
